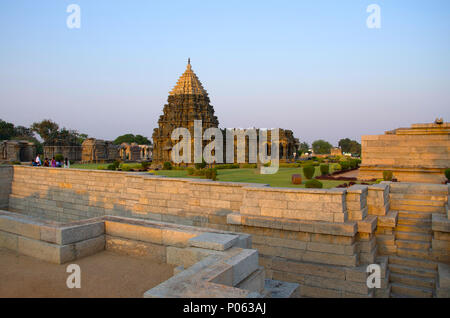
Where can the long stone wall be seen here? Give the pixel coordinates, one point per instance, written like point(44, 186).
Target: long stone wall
point(321, 238)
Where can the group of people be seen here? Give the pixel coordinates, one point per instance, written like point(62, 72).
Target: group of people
point(51, 163)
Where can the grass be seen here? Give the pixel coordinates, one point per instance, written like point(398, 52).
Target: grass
point(281, 179)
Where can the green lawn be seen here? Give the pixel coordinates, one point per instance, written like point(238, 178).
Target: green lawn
point(281, 179)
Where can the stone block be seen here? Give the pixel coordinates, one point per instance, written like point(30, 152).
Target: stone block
point(213, 241)
point(243, 265)
point(77, 233)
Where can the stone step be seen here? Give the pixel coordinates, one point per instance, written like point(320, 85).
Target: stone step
point(407, 252)
point(413, 228)
point(413, 236)
point(418, 208)
point(412, 280)
point(419, 188)
point(411, 291)
point(414, 221)
point(411, 196)
point(412, 271)
point(414, 245)
point(418, 202)
point(415, 215)
point(413, 262)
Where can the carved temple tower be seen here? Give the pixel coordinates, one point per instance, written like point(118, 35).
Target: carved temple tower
point(188, 101)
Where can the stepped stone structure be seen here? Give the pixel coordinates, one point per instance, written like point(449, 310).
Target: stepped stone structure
point(189, 101)
point(420, 153)
point(321, 239)
point(17, 150)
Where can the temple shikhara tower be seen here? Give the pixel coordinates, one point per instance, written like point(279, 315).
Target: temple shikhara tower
point(189, 101)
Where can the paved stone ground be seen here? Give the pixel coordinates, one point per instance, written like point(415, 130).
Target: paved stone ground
point(102, 275)
point(349, 174)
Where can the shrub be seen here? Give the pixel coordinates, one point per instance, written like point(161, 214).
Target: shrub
point(190, 171)
point(387, 175)
point(167, 165)
point(211, 174)
point(125, 167)
point(308, 171)
point(344, 165)
point(447, 174)
point(59, 157)
point(116, 164)
point(314, 183)
point(249, 165)
point(324, 169)
point(111, 167)
point(200, 165)
point(145, 165)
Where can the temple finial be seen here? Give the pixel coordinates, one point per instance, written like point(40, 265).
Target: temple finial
point(189, 60)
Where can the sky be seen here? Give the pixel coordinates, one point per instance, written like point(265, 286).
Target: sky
point(310, 66)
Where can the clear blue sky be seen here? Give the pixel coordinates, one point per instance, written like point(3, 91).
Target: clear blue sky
point(310, 66)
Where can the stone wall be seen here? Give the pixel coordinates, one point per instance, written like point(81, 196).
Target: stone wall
point(321, 238)
point(6, 174)
point(417, 154)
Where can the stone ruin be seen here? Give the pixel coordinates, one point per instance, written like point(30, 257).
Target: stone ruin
point(98, 151)
point(17, 150)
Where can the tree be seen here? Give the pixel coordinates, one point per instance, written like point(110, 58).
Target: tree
point(47, 130)
point(129, 138)
point(304, 147)
point(350, 146)
point(6, 130)
point(321, 147)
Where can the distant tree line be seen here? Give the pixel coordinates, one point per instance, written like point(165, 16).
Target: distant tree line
point(51, 135)
point(324, 147)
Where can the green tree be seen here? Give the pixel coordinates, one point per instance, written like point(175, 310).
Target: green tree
point(47, 130)
point(304, 147)
point(350, 146)
point(129, 138)
point(321, 147)
point(6, 130)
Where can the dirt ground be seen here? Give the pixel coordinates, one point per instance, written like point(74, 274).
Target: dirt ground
point(102, 275)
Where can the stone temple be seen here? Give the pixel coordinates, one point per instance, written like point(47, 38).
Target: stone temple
point(189, 101)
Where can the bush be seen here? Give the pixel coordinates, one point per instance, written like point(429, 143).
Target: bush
point(190, 171)
point(15, 163)
point(314, 183)
point(387, 175)
point(111, 167)
point(211, 174)
point(116, 164)
point(249, 165)
point(167, 165)
point(145, 165)
point(125, 167)
point(201, 165)
point(447, 174)
point(324, 169)
point(59, 157)
point(308, 171)
point(344, 165)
